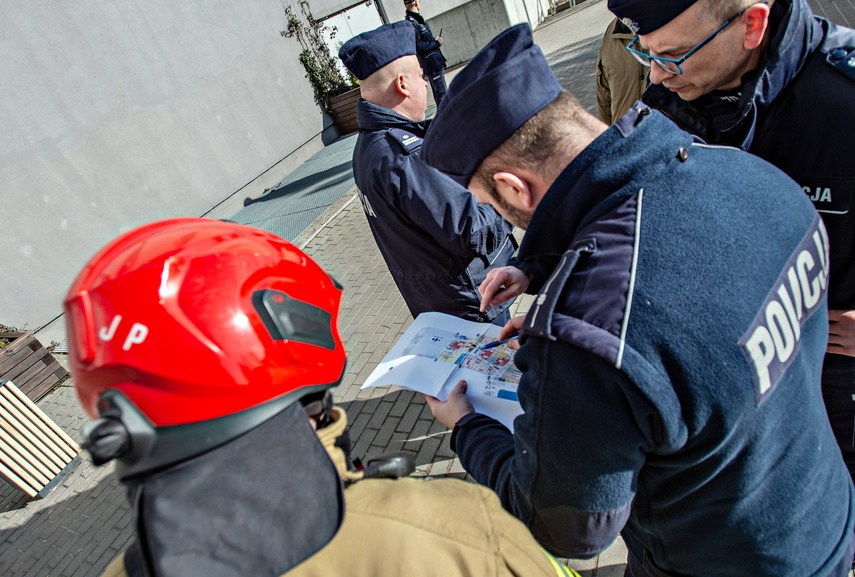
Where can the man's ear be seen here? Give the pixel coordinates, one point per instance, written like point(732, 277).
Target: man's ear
point(402, 85)
point(756, 21)
point(514, 189)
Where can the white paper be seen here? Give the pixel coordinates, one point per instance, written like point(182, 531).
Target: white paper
point(438, 350)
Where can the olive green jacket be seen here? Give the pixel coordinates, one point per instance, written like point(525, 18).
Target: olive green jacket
point(621, 79)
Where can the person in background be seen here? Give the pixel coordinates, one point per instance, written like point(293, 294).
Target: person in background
point(428, 50)
point(621, 79)
point(207, 352)
point(671, 362)
point(775, 80)
point(436, 240)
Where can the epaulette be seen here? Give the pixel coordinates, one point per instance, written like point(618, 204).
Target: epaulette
point(843, 60)
point(538, 322)
point(633, 118)
point(409, 142)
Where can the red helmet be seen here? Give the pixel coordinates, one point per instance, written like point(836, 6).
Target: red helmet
point(195, 319)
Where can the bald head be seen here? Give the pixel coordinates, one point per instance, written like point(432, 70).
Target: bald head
point(398, 86)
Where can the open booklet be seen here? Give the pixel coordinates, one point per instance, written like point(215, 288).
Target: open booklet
point(438, 350)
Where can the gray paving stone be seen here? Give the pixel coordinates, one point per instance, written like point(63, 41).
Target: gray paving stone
point(357, 424)
point(419, 432)
point(362, 445)
point(380, 414)
point(387, 429)
point(427, 450)
point(411, 416)
point(402, 403)
point(444, 451)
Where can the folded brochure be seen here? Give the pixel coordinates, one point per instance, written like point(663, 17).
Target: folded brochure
point(438, 350)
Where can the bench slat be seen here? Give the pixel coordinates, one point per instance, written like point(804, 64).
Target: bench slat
point(34, 451)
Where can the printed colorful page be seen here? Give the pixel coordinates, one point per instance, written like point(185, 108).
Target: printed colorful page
point(439, 350)
point(492, 379)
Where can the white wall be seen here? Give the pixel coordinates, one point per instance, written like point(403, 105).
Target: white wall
point(323, 8)
point(118, 112)
point(467, 26)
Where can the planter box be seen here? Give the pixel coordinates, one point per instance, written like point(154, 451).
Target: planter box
point(344, 111)
point(31, 366)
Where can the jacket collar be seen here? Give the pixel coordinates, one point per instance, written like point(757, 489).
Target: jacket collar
point(415, 16)
point(795, 35)
point(330, 436)
point(372, 117)
point(614, 167)
point(213, 514)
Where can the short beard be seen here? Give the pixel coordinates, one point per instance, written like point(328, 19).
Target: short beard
point(512, 214)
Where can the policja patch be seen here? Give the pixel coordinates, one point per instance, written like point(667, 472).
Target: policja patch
point(772, 340)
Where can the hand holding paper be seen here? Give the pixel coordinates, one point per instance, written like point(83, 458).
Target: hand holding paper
point(454, 408)
point(438, 350)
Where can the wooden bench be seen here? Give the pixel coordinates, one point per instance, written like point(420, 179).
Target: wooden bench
point(35, 454)
point(25, 361)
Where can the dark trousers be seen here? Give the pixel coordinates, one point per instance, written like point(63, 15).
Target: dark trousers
point(838, 393)
point(437, 86)
point(638, 568)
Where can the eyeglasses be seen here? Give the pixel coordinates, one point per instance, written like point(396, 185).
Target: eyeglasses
point(672, 65)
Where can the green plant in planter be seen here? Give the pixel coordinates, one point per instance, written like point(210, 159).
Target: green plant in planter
point(5, 340)
point(321, 68)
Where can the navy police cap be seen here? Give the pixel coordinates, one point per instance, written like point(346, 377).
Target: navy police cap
point(645, 16)
point(367, 53)
point(501, 88)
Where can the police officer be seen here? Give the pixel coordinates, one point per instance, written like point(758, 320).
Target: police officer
point(437, 242)
point(427, 49)
point(773, 79)
point(207, 351)
point(671, 362)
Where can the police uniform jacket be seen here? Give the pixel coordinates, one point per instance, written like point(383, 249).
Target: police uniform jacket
point(671, 367)
point(796, 111)
point(427, 47)
point(441, 527)
point(438, 242)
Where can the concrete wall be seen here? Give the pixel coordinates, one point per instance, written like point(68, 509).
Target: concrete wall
point(323, 8)
point(114, 113)
point(467, 26)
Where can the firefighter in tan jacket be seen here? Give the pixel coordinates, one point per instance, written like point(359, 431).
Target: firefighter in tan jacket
point(621, 79)
point(207, 352)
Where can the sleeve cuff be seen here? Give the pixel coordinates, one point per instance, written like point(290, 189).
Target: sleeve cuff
point(464, 420)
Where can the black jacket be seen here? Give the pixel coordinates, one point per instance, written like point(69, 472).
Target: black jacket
point(427, 47)
point(796, 111)
point(438, 242)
